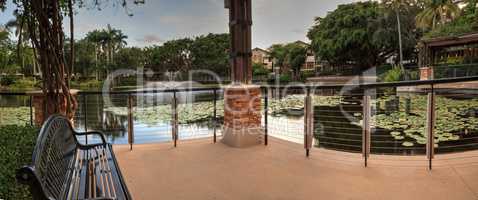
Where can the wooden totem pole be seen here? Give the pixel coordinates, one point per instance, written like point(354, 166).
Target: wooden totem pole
point(242, 100)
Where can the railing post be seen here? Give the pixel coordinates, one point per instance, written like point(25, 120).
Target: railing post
point(215, 115)
point(31, 110)
point(175, 119)
point(266, 116)
point(85, 117)
point(366, 136)
point(431, 127)
point(309, 121)
point(130, 122)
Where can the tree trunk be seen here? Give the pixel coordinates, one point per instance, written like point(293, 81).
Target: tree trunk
point(399, 26)
point(96, 63)
point(46, 33)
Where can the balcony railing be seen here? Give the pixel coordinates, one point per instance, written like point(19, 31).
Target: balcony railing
point(403, 118)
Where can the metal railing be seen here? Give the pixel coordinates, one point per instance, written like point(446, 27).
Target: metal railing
point(348, 122)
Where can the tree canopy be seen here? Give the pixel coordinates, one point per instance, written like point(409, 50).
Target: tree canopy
point(362, 34)
point(466, 22)
point(207, 52)
point(44, 22)
point(290, 57)
point(296, 58)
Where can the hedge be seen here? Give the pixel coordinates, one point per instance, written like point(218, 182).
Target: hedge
point(16, 147)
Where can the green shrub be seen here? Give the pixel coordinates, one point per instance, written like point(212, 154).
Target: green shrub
point(7, 80)
point(17, 143)
point(87, 84)
point(393, 75)
point(24, 84)
point(259, 70)
point(306, 74)
point(285, 78)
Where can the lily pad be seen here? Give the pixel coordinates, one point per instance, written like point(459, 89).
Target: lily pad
point(399, 137)
point(395, 133)
point(408, 144)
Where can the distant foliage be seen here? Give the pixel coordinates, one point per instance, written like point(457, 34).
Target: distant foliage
point(259, 69)
point(394, 75)
point(207, 52)
point(465, 23)
point(363, 34)
point(7, 80)
point(290, 57)
point(16, 147)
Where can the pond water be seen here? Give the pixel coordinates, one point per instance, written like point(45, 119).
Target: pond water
point(152, 118)
point(398, 126)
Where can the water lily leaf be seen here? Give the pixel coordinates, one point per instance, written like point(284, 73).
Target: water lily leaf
point(407, 144)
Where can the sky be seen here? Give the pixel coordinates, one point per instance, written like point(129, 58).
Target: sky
point(275, 21)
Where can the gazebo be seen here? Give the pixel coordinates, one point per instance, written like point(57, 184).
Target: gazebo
point(447, 57)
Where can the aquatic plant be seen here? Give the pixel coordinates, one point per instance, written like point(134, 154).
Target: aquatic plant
point(453, 118)
point(14, 116)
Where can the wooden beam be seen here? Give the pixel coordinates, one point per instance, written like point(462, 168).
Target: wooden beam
point(240, 23)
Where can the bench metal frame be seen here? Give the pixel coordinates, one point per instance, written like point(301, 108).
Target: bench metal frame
point(56, 162)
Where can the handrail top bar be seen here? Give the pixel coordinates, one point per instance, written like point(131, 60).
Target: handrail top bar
point(297, 86)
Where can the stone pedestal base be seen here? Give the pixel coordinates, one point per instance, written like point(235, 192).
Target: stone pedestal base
point(39, 106)
point(242, 116)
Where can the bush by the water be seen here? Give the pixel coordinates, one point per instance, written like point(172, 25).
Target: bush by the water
point(7, 80)
point(393, 75)
point(16, 147)
point(87, 84)
point(25, 84)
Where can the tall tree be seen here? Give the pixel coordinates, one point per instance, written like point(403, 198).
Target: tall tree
point(361, 34)
point(44, 19)
point(107, 43)
point(278, 52)
point(296, 57)
point(437, 12)
point(211, 52)
point(398, 6)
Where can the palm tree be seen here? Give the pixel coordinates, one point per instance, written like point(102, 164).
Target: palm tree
point(397, 6)
point(96, 37)
point(119, 42)
point(26, 53)
point(437, 12)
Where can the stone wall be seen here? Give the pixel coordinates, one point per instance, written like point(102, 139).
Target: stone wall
point(242, 115)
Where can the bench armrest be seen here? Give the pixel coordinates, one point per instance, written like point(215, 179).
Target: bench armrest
point(25, 175)
point(100, 134)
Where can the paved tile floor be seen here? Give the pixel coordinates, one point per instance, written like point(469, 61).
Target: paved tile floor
point(201, 170)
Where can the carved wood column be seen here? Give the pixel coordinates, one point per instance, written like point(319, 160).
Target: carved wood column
point(242, 100)
point(240, 23)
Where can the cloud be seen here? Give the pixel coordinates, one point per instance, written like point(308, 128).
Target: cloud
point(275, 21)
point(150, 39)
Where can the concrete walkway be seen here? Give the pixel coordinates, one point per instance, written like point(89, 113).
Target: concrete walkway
point(200, 170)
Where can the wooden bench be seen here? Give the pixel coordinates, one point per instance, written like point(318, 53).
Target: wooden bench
point(64, 169)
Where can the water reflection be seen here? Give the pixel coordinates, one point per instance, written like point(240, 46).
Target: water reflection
point(99, 116)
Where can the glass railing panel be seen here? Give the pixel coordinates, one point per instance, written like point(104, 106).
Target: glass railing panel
point(398, 121)
point(455, 70)
point(337, 119)
point(152, 117)
point(456, 126)
point(196, 114)
point(105, 113)
point(286, 114)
